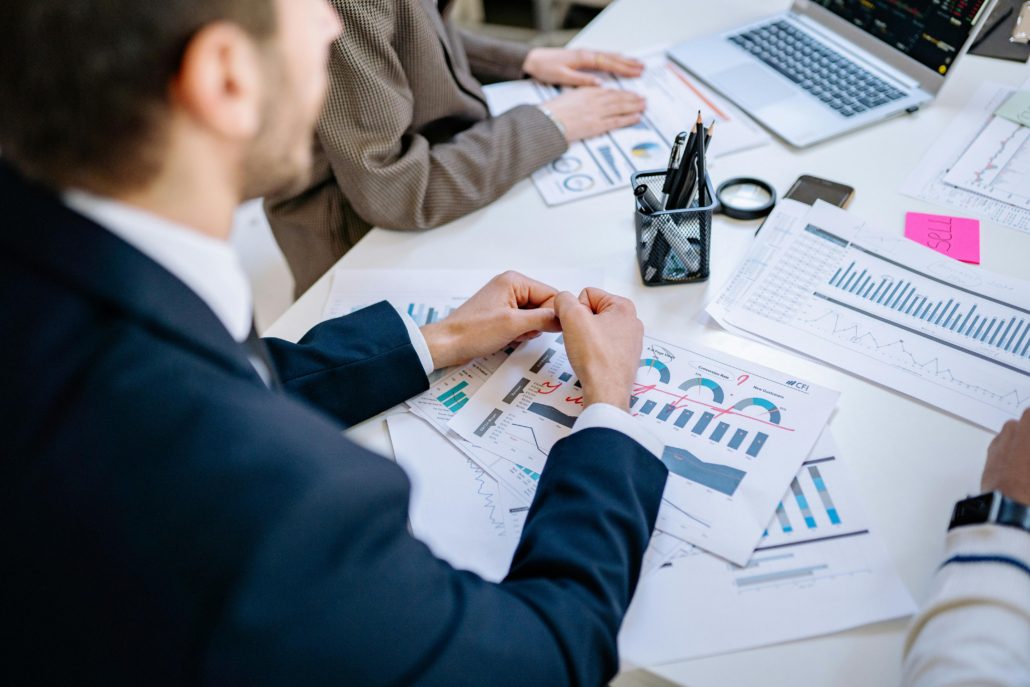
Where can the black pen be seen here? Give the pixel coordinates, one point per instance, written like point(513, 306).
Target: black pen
point(674, 160)
point(988, 30)
point(702, 171)
point(680, 177)
point(648, 203)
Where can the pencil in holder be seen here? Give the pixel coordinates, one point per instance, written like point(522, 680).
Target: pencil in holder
point(673, 245)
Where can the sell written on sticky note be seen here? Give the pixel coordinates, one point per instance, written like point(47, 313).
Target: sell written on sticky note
point(956, 237)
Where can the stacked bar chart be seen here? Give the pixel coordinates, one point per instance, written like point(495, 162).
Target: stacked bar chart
point(824, 494)
point(784, 521)
point(802, 501)
point(809, 505)
point(454, 399)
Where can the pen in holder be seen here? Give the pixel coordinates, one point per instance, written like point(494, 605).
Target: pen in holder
point(673, 245)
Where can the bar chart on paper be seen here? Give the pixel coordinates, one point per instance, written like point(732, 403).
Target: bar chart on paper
point(734, 432)
point(930, 301)
point(817, 554)
point(878, 305)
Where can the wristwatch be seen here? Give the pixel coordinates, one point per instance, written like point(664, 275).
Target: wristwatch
point(992, 508)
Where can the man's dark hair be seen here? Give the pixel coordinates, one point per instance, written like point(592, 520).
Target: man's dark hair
point(85, 83)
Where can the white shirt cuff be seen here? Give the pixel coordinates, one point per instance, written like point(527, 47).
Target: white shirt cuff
point(607, 416)
point(418, 341)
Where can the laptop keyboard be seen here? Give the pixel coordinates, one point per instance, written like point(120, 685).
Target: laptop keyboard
point(827, 75)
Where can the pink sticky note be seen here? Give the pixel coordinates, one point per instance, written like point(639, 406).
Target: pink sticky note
point(956, 237)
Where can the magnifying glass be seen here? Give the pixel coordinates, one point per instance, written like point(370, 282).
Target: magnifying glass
point(745, 198)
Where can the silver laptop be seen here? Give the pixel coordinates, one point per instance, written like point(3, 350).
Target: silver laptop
point(827, 67)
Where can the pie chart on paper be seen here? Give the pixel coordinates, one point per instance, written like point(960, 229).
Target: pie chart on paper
point(646, 151)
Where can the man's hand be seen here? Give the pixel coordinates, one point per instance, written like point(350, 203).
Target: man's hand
point(603, 339)
point(589, 112)
point(563, 67)
point(509, 308)
point(1008, 461)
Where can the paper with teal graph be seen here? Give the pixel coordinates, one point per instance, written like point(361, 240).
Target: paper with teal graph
point(733, 433)
point(817, 569)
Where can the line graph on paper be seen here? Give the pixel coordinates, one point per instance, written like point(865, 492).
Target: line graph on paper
point(487, 491)
point(996, 164)
point(976, 379)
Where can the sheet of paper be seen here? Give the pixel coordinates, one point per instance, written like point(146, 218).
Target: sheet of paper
point(734, 432)
point(822, 282)
point(449, 396)
point(956, 237)
point(457, 509)
point(605, 163)
point(818, 570)
point(996, 164)
point(1016, 108)
point(926, 181)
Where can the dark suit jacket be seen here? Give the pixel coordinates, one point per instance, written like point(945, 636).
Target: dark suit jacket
point(406, 140)
point(169, 520)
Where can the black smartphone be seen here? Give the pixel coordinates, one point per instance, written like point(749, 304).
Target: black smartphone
point(808, 189)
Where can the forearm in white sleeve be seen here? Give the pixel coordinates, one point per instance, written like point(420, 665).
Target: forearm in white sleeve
point(975, 626)
point(418, 342)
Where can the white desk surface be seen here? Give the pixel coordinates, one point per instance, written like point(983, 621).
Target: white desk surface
point(910, 461)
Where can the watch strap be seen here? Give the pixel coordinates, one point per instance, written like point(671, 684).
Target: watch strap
point(1013, 514)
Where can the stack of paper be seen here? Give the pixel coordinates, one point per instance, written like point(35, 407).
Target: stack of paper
point(758, 518)
point(821, 281)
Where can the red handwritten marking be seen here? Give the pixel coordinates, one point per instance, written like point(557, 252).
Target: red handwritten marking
point(640, 389)
point(552, 388)
point(578, 400)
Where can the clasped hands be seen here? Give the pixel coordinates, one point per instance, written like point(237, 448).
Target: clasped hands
point(603, 337)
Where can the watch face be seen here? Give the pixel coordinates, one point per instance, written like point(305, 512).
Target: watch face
point(973, 510)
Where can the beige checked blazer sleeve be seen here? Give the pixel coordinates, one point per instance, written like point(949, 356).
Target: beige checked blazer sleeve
point(406, 140)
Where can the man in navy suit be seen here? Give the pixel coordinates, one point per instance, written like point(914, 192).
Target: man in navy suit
point(178, 503)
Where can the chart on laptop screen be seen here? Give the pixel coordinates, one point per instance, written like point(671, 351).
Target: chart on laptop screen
point(929, 31)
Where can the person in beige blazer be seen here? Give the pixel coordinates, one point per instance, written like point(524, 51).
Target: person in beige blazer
point(406, 140)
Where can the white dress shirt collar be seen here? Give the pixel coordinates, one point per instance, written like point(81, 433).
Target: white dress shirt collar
point(209, 267)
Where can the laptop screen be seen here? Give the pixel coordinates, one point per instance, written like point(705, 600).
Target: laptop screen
point(929, 31)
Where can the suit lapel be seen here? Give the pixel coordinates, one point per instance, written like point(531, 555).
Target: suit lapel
point(463, 77)
point(42, 232)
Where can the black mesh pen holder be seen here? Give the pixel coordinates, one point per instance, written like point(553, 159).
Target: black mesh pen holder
point(673, 245)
